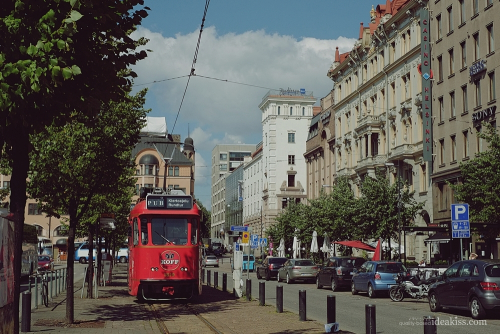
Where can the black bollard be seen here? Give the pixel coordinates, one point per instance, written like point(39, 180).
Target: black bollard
point(262, 293)
point(36, 292)
point(302, 305)
point(430, 326)
point(216, 279)
point(370, 319)
point(224, 282)
point(249, 289)
point(26, 315)
point(279, 298)
point(203, 276)
point(330, 309)
point(209, 273)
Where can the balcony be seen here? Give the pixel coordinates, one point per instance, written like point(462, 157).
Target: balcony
point(344, 172)
point(368, 162)
point(405, 151)
point(369, 121)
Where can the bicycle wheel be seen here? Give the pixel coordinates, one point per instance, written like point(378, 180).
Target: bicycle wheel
point(45, 294)
point(396, 293)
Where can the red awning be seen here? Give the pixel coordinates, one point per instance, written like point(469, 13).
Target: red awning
point(356, 244)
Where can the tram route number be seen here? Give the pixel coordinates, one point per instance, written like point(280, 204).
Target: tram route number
point(169, 274)
point(169, 261)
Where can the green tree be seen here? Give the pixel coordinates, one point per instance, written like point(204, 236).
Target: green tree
point(480, 186)
point(94, 169)
point(58, 57)
point(378, 208)
point(205, 221)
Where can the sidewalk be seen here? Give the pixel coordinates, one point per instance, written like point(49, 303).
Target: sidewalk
point(117, 312)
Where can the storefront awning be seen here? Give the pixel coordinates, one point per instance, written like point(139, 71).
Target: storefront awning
point(439, 237)
point(356, 244)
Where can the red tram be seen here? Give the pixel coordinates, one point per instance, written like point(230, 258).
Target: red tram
point(164, 247)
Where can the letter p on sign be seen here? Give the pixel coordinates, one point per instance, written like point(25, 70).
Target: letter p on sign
point(460, 212)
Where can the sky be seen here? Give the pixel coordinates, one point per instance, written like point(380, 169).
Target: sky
point(246, 48)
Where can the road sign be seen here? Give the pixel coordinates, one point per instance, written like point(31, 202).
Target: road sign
point(263, 242)
point(460, 226)
point(245, 238)
point(239, 228)
point(236, 246)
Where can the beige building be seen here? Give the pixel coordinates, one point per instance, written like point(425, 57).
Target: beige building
point(372, 118)
point(464, 62)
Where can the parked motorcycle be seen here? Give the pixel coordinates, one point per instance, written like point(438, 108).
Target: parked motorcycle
point(410, 286)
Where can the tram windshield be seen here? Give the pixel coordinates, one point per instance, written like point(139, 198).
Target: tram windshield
point(169, 230)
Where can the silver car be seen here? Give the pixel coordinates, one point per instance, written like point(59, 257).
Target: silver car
point(210, 260)
point(298, 269)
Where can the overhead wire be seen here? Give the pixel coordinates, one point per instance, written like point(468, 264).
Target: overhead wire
point(195, 58)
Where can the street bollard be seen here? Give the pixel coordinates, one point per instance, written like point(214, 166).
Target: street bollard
point(330, 309)
point(224, 282)
point(51, 285)
point(279, 298)
point(249, 289)
point(262, 293)
point(57, 283)
point(430, 326)
point(36, 292)
point(203, 276)
point(65, 278)
point(216, 279)
point(302, 305)
point(26, 312)
point(209, 273)
point(371, 326)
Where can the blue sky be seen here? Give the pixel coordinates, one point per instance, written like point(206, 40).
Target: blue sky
point(255, 45)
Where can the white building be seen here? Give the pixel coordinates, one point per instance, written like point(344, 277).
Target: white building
point(252, 192)
point(286, 115)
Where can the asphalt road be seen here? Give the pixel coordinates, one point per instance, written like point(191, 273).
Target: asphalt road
point(391, 317)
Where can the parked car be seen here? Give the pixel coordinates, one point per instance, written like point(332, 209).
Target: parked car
point(337, 272)
point(248, 262)
point(269, 267)
point(122, 254)
point(376, 277)
point(45, 262)
point(298, 269)
point(210, 260)
point(470, 284)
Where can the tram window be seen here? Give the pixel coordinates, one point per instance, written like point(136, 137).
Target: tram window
point(165, 230)
point(194, 232)
point(136, 232)
point(144, 231)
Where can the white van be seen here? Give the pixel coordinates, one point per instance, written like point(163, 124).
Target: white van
point(82, 253)
point(122, 255)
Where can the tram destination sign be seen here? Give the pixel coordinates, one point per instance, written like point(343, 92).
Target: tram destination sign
point(166, 202)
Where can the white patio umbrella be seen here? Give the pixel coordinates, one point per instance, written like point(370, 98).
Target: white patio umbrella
point(281, 248)
point(326, 244)
point(314, 243)
point(296, 248)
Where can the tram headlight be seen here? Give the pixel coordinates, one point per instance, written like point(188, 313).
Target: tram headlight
point(184, 269)
point(154, 268)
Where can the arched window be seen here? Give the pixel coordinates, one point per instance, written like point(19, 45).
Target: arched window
point(291, 110)
point(176, 171)
point(279, 110)
point(303, 111)
point(61, 231)
point(170, 171)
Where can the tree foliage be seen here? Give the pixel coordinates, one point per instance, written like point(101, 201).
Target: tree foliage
point(205, 221)
point(480, 187)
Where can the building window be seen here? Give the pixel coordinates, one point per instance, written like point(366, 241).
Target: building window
point(441, 151)
point(223, 156)
point(475, 7)
point(462, 11)
point(303, 111)
point(291, 180)
point(450, 19)
point(440, 68)
point(291, 159)
point(170, 171)
point(33, 209)
point(6, 184)
point(148, 169)
point(452, 104)
point(491, 40)
point(441, 109)
point(453, 150)
point(176, 171)
point(291, 137)
point(223, 167)
point(489, 2)
point(452, 61)
point(291, 110)
point(439, 27)
point(392, 52)
point(491, 78)
point(478, 93)
point(279, 110)
point(423, 177)
point(479, 141)
point(465, 103)
point(463, 51)
point(476, 46)
point(466, 143)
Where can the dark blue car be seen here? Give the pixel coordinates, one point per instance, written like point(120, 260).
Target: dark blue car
point(376, 277)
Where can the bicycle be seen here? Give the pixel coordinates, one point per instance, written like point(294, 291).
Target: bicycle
point(45, 288)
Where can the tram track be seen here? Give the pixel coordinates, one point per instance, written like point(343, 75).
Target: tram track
point(157, 311)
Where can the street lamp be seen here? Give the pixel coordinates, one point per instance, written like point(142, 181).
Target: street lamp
point(391, 164)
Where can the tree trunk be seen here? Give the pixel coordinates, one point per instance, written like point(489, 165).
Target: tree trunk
point(20, 166)
point(70, 296)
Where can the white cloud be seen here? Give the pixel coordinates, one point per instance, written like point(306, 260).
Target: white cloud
point(227, 112)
